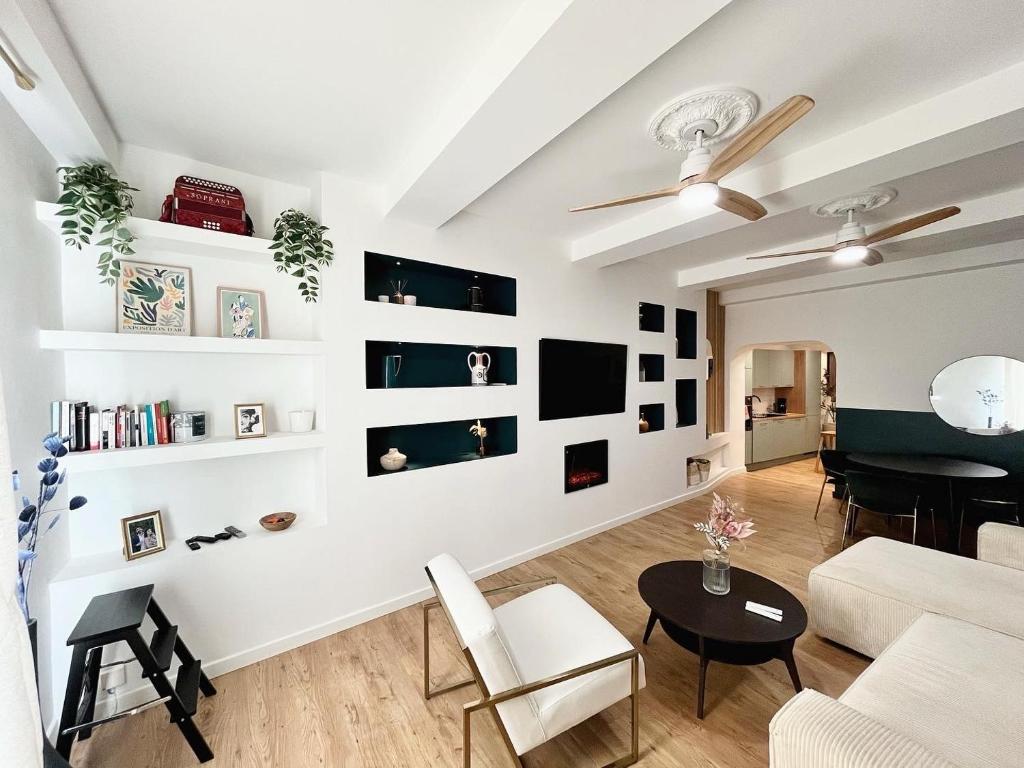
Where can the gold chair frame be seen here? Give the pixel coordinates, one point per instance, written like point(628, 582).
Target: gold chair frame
point(489, 701)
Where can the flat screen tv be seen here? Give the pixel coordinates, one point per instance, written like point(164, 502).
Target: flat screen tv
point(581, 378)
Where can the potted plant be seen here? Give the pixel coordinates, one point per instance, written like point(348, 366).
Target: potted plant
point(96, 206)
point(301, 250)
point(723, 526)
point(32, 517)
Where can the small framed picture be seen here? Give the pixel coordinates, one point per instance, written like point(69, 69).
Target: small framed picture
point(242, 313)
point(249, 421)
point(154, 299)
point(143, 535)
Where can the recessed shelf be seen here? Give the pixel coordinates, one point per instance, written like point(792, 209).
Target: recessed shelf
point(438, 285)
point(211, 448)
point(438, 443)
point(98, 341)
point(686, 402)
point(652, 317)
point(652, 367)
point(434, 365)
point(164, 236)
point(686, 334)
point(654, 413)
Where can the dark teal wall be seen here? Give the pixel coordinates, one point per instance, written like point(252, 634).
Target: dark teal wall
point(881, 431)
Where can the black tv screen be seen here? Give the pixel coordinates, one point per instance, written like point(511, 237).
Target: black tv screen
point(581, 378)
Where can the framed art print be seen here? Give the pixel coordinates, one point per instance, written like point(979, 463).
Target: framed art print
point(242, 313)
point(250, 421)
point(154, 298)
point(142, 535)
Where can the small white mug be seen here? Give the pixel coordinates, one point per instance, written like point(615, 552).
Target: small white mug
point(384, 299)
point(410, 300)
point(301, 421)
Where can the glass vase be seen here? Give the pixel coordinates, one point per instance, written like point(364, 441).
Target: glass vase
point(716, 571)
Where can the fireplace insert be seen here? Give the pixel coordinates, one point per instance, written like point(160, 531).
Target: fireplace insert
point(586, 465)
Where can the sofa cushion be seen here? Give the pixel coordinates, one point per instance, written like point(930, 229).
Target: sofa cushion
point(550, 631)
point(866, 596)
point(956, 688)
point(477, 629)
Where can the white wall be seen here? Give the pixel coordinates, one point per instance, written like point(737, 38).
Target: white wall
point(361, 552)
point(890, 339)
point(29, 299)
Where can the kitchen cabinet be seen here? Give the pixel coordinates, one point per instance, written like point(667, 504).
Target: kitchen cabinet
point(773, 368)
point(778, 438)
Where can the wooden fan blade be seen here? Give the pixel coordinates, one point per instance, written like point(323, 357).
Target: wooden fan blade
point(873, 258)
point(909, 225)
point(826, 249)
point(757, 136)
point(666, 192)
point(742, 205)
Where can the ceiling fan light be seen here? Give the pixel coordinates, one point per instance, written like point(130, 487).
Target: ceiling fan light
point(701, 195)
point(851, 254)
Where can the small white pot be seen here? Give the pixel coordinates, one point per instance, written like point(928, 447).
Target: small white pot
point(393, 460)
point(301, 421)
point(409, 300)
point(384, 299)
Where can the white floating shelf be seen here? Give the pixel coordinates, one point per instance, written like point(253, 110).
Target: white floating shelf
point(164, 236)
point(211, 448)
point(96, 341)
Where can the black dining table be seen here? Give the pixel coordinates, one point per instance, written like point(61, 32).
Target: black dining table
point(925, 465)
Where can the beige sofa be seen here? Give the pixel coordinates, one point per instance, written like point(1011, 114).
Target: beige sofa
point(947, 634)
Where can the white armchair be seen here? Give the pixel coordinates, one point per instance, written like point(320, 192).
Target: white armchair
point(544, 662)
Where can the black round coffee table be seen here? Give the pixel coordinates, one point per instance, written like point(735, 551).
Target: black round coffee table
point(718, 627)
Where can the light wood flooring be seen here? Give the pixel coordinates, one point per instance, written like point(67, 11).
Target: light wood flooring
point(354, 699)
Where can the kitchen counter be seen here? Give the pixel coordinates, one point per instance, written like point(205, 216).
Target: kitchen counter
point(780, 417)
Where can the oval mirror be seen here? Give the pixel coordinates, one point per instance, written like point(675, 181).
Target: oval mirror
point(982, 395)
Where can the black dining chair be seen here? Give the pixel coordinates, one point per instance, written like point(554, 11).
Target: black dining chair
point(997, 500)
point(894, 496)
point(834, 465)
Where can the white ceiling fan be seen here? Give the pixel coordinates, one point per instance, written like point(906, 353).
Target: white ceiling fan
point(700, 174)
point(853, 244)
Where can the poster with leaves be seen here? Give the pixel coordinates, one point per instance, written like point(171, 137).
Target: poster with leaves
point(152, 298)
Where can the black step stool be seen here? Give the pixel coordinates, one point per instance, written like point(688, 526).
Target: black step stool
point(110, 619)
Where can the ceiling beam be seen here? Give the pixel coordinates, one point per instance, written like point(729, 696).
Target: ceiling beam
point(554, 62)
point(980, 218)
point(978, 117)
point(62, 110)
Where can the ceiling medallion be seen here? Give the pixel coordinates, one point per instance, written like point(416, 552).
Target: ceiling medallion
point(859, 202)
point(720, 114)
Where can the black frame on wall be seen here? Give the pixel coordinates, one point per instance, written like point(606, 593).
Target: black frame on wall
point(686, 402)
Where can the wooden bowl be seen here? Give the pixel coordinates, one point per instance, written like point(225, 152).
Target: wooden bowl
point(277, 521)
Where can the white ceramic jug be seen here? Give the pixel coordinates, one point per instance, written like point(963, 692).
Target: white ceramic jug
point(479, 363)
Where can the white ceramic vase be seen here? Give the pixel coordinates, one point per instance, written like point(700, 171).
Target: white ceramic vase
point(393, 460)
point(300, 421)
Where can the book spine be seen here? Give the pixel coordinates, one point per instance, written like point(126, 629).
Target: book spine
point(67, 426)
point(136, 422)
point(81, 438)
point(55, 416)
point(150, 430)
point(165, 419)
point(119, 427)
point(109, 428)
point(95, 435)
point(161, 425)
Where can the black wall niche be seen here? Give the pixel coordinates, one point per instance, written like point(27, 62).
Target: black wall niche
point(437, 443)
point(437, 285)
point(654, 413)
point(686, 334)
point(652, 317)
point(435, 365)
point(686, 402)
point(652, 367)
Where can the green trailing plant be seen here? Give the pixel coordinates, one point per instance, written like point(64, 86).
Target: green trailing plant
point(301, 250)
point(96, 206)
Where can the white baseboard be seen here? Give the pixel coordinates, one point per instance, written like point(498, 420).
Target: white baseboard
point(257, 653)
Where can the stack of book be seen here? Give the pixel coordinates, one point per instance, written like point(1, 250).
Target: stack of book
point(88, 428)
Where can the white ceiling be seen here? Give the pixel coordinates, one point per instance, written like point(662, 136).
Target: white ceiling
point(278, 88)
point(859, 61)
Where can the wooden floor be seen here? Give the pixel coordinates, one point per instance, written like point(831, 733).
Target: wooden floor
point(353, 699)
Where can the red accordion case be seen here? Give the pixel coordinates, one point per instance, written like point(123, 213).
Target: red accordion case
point(207, 205)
